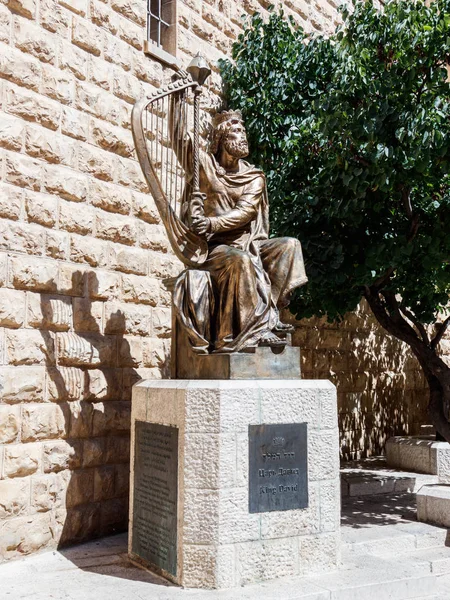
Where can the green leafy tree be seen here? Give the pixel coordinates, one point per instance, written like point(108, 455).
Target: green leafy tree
point(353, 133)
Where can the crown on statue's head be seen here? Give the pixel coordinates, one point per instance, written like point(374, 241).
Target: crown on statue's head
point(226, 115)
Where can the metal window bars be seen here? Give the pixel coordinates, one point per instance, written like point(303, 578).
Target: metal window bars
point(155, 21)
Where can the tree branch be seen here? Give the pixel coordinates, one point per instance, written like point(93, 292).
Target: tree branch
point(413, 217)
point(388, 314)
point(426, 75)
point(394, 307)
point(397, 327)
point(399, 319)
point(420, 328)
point(381, 281)
point(415, 222)
point(440, 334)
point(420, 90)
point(361, 160)
point(406, 199)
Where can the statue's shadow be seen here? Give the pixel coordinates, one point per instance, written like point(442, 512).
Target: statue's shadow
point(90, 376)
point(89, 478)
point(108, 556)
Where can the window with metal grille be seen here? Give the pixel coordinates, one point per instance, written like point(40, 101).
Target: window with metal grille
point(161, 30)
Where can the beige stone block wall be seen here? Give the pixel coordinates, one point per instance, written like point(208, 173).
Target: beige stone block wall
point(380, 386)
point(83, 313)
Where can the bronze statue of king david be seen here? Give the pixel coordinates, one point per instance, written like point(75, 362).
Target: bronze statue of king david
point(217, 219)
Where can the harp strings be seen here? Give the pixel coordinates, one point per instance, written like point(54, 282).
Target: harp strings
point(179, 151)
point(167, 143)
point(171, 143)
point(177, 146)
point(159, 142)
point(178, 172)
point(184, 130)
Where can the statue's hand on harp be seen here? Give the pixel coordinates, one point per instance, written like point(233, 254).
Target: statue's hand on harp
point(198, 223)
point(201, 225)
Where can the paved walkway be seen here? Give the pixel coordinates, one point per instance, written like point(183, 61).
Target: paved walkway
point(100, 570)
point(387, 555)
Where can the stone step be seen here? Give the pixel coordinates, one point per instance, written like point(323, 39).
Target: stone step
point(442, 589)
point(437, 559)
point(443, 596)
point(380, 579)
point(421, 454)
point(109, 575)
point(372, 476)
point(433, 505)
point(383, 543)
point(365, 578)
point(443, 585)
point(387, 526)
point(383, 530)
point(408, 587)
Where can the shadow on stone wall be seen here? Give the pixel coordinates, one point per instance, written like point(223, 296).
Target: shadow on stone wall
point(91, 369)
point(380, 386)
point(90, 378)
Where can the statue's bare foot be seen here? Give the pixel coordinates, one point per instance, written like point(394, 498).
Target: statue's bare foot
point(283, 327)
point(270, 339)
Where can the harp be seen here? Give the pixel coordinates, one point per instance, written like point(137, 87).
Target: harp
point(162, 147)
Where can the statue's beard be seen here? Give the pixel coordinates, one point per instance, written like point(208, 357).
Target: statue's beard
point(237, 149)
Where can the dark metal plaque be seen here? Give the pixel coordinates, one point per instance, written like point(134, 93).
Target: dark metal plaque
point(155, 495)
point(278, 467)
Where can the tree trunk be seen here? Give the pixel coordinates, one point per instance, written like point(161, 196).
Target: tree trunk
point(439, 401)
point(391, 316)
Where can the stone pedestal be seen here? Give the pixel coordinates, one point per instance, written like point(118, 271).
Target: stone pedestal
point(254, 363)
point(203, 534)
point(419, 455)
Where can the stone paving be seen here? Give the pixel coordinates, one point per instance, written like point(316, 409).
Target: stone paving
point(100, 570)
point(387, 555)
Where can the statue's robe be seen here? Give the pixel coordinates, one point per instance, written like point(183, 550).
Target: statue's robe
point(233, 301)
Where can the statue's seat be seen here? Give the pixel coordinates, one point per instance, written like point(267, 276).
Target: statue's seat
point(199, 362)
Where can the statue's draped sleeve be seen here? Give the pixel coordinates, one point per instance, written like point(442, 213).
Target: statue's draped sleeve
point(245, 210)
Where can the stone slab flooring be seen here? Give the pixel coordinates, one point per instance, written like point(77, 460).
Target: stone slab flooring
point(386, 555)
point(371, 476)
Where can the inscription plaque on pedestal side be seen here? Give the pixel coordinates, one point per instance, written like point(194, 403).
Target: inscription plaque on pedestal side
point(155, 495)
point(278, 467)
